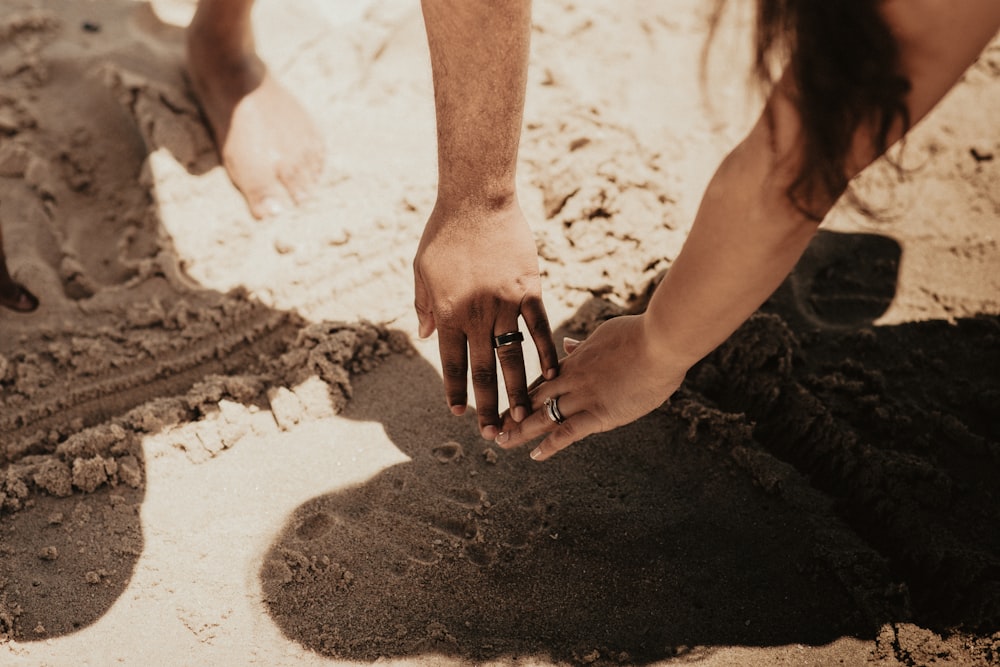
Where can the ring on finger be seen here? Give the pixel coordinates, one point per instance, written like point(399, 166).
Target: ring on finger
point(509, 338)
point(552, 410)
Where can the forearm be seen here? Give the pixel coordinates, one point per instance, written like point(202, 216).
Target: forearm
point(747, 236)
point(745, 239)
point(479, 58)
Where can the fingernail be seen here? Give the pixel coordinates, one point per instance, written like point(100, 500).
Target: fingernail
point(502, 438)
point(570, 344)
point(536, 454)
point(550, 373)
point(458, 410)
point(490, 432)
point(518, 413)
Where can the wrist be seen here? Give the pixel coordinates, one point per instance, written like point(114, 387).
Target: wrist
point(485, 200)
point(477, 214)
point(670, 358)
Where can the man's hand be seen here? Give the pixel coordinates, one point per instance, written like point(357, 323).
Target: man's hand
point(476, 272)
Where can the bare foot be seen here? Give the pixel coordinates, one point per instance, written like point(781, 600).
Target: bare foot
point(268, 143)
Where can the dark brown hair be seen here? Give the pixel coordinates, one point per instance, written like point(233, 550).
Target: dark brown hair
point(843, 62)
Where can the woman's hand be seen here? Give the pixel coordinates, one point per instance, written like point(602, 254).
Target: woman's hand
point(611, 379)
point(475, 273)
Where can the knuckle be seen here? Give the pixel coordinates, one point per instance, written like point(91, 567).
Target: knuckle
point(445, 313)
point(540, 324)
point(568, 431)
point(484, 376)
point(518, 395)
point(477, 313)
point(454, 370)
point(543, 329)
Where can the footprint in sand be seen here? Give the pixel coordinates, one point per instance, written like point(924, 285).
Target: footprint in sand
point(449, 452)
point(842, 280)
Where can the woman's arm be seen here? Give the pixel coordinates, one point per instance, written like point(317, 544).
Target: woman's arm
point(745, 239)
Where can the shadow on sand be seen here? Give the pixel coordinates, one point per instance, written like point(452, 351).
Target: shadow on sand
point(810, 481)
point(124, 343)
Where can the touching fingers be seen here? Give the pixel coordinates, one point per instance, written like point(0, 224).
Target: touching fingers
point(542, 420)
point(561, 417)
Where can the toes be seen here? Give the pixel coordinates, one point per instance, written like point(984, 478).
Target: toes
point(300, 177)
point(264, 202)
point(295, 180)
point(271, 188)
point(255, 178)
point(266, 208)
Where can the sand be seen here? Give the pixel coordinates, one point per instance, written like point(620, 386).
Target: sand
point(222, 443)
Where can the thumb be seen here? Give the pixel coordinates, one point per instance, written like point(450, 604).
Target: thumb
point(421, 303)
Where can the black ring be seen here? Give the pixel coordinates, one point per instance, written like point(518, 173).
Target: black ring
point(508, 338)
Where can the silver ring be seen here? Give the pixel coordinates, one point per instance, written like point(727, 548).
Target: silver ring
point(508, 338)
point(552, 410)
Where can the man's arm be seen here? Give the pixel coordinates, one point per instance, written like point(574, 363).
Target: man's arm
point(476, 270)
point(479, 58)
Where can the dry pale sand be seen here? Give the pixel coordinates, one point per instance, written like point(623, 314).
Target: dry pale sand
point(221, 443)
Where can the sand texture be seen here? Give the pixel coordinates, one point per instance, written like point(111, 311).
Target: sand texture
point(222, 443)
